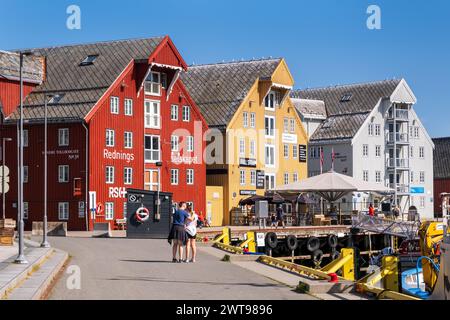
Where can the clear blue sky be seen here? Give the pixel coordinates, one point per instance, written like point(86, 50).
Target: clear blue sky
point(325, 42)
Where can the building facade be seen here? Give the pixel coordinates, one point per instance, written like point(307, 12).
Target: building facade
point(377, 137)
point(119, 117)
point(441, 171)
point(248, 107)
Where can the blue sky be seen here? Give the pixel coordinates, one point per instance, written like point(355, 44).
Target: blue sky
point(325, 42)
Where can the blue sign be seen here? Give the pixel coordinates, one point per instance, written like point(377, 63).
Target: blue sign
point(417, 190)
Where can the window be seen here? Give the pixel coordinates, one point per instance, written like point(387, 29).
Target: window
point(252, 120)
point(63, 174)
point(252, 148)
point(175, 143)
point(109, 211)
point(174, 113)
point(190, 144)
point(174, 176)
point(270, 155)
point(312, 152)
point(190, 176)
point(295, 177)
point(377, 151)
point(270, 101)
point(128, 140)
point(152, 149)
point(286, 178)
point(25, 174)
point(242, 177)
point(378, 176)
point(109, 178)
point(292, 125)
point(245, 119)
point(377, 130)
point(56, 98)
point(25, 138)
point(153, 84)
point(114, 105)
point(63, 211)
point(63, 137)
point(294, 151)
point(365, 150)
point(270, 126)
point(25, 210)
point(253, 178)
point(421, 152)
point(416, 132)
point(286, 125)
point(90, 59)
point(411, 134)
point(128, 176)
point(412, 177)
point(242, 147)
point(151, 180)
point(286, 151)
point(186, 114)
point(366, 175)
point(422, 177)
point(110, 138)
point(346, 97)
point(128, 107)
point(411, 151)
point(370, 129)
point(152, 114)
point(270, 181)
point(422, 202)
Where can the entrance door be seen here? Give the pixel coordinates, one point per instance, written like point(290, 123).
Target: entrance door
point(151, 180)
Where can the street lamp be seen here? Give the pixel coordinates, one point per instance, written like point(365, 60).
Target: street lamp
point(3, 177)
point(21, 256)
point(45, 243)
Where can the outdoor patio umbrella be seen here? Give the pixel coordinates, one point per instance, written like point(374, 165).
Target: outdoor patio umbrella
point(272, 198)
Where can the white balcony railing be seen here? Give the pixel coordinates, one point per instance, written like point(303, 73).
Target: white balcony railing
point(399, 115)
point(397, 137)
point(398, 163)
point(400, 188)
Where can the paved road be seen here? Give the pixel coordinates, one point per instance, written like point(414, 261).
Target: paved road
point(140, 269)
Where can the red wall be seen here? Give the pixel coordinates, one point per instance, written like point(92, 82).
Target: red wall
point(10, 94)
point(440, 186)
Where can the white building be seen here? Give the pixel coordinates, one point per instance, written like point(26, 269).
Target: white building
point(376, 136)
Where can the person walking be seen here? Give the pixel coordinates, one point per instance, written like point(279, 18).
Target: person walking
point(177, 235)
point(191, 233)
point(280, 214)
point(371, 210)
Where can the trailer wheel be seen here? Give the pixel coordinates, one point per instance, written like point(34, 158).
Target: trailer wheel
point(317, 257)
point(272, 240)
point(333, 241)
point(313, 244)
point(291, 242)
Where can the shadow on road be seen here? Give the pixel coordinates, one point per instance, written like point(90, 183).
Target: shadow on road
point(147, 261)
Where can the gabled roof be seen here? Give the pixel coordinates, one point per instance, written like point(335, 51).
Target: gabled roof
point(83, 86)
point(33, 71)
point(219, 89)
point(310, 108)
point(441, 158)
point(347, 106)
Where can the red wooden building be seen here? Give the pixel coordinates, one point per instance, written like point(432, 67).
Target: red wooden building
point(441, 172)
point(119, 117)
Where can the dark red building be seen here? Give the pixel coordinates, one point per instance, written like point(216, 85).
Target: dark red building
point(119, 118)
point(441, 172)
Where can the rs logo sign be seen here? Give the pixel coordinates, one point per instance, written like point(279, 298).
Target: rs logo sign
point(117, 192)
point(4, 179)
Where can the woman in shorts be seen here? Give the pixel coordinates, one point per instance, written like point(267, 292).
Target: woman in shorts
point(191, 233)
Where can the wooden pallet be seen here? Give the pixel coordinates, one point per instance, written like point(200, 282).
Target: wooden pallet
point(6, 241)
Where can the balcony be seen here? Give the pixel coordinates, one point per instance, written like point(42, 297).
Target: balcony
point(400, 188)
point(399, 138)
point(398, 163)
point(399, 115)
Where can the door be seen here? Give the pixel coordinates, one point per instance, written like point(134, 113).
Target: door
point(151, 180)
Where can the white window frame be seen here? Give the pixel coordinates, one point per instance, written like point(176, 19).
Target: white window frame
point(186, 114)
point(128, 140)
point(377, 151)
point(174, 143)
point(267, 101)
point(63, 211)
point(151, 151)
point(422, 201)
point(266, 147)
point(370, 130)
point(292, 125)
point(174, 177)
point(63, 137)
point(366, 175)
point(190, 144)
point(63, 173)
point(190, 176)
point(295, 177)
point(286, 178)
point(128, 176)
point(110, 138)
point(295, 151)
point(242, 147)
point(286, 151)
point(270, 131)
point(242, 177)
point(252, 148)
point(114, 105)
point(378, 176)
point(174, 109)
point(411, 151)
point(152, 185)
point(155, 87)
point(422, 152)
point(109, 211)
point(245, 119)
point(365, 150)
point(109, 174)
point(422, 177)
point(253, 177)
point(272, 179)
point(128, 107)
point(377, 130)
point(252, 119)
point(416, 133)
point(152, 120)
point(286, 125)
point(411, 177)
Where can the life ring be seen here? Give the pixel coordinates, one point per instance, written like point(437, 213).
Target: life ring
point(317, 257)
point(272, 240)
point(99, 209)
point(142, 214)
point(333, 241)
point(313, 244)
point(291, 242)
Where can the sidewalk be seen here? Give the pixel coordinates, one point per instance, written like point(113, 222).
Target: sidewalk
point(29, 281)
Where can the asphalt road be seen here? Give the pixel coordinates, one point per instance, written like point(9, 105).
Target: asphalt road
point(142, 269)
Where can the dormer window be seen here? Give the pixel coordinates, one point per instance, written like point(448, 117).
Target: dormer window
point(153, 84)
point(90, 59)
point(56, 98)
point(270, 101)
point(346, 97)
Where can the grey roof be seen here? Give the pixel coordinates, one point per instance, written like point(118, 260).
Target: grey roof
point(82, 86)
point(441, 158)
point(307, 107)
point(9, 67)
point(219, 89)
point(345, 118)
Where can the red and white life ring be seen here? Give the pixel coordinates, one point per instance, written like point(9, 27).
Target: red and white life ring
point(142, 214)
point(99, 209)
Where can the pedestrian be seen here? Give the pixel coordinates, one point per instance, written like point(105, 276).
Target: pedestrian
point(396, 212)
point(371, 210)
point(177, 235)
point(191, 233)
point(273, 219)
point(280, 214)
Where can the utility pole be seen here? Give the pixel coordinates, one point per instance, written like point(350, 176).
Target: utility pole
point(45, 243)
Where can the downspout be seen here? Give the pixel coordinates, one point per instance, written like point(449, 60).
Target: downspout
point(86, 191)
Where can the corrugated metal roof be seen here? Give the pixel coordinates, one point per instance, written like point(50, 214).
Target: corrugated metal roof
point(83, 86)
point(219, 89)
point(10, 67)
point(441, 158)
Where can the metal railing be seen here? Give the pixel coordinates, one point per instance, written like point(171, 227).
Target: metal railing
point(399, 115)
point(401, 188)
point(398, 163)
point(397, 137)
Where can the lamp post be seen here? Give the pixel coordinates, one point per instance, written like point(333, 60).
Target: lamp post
point(45, 243)
point(3, 177)
point(21, 256)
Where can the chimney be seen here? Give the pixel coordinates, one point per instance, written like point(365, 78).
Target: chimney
point(43, 60)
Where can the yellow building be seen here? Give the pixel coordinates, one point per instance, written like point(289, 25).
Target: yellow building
point(257, 140)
